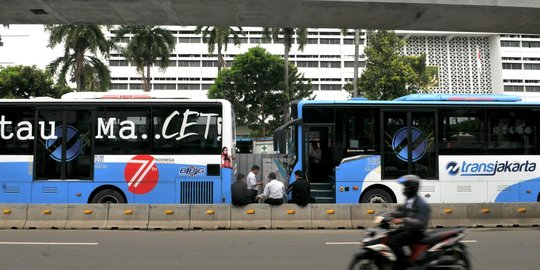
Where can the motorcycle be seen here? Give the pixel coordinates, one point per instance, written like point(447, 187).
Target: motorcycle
point(438, 249)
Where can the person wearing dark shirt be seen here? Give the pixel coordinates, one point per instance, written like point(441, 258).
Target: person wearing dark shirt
point(240, 194)
point(300, 190)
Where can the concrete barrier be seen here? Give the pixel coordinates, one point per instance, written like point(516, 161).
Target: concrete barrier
point(87, 216)
point(253, 216)
point(449, 215)
point(169, 217)
point(485, 214)
point(521, 214)
point(362, 215)
point(210, 217)
point(13, 216)
point(128, 216)
point(291, 216)
point(46, 216)
point(331, 216)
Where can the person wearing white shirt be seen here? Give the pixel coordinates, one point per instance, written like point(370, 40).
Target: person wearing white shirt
point(274, 191)
point(252, 184)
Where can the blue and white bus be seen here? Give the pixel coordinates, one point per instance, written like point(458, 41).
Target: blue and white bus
point(479, 148)
point(110, 148)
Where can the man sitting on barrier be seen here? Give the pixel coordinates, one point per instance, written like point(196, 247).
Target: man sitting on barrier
point(414, 216)
point(274, 191)
point(240, 194)
point(300, 190)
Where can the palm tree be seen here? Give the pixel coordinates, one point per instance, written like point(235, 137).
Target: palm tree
point(81, 44)
point(288, 37)
point(219, 35)
point(148, 45)
point(356, 56)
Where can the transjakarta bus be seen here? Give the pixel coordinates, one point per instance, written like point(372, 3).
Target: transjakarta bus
point(115, 149)
point(479, 148)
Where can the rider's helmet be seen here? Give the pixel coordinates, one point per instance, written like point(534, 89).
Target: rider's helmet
point(411, 184)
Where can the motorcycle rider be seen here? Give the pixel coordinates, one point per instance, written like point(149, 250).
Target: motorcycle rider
point(414, 215)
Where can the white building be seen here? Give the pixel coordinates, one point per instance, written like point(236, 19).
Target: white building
point(466, 62)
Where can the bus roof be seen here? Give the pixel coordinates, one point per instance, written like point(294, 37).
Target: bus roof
point(454, 97)
point(133, 95)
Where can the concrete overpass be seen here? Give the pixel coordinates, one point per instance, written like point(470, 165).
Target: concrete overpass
point(514, 16)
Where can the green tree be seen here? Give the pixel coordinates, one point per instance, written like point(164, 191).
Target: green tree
point(148, 45)
point(219, 36)
point(254, 85)
point(82, 44)
point(28, 81)
point(390, 74)
point(287, 34)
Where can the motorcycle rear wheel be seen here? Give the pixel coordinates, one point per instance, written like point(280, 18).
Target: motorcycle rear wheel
point(368, 264)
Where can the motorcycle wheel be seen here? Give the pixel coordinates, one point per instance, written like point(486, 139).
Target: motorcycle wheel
point(368, 264)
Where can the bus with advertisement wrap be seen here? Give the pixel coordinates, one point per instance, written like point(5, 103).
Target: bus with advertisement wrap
point(109, 148)
point(466, 148)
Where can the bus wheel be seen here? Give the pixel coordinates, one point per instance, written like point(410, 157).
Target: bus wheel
point(376, 195)
point(108, 196)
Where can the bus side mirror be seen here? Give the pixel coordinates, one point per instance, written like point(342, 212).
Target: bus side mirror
point(280, 141)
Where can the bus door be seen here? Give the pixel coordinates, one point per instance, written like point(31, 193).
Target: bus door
point(409, 146)
point(63, 151)
point(318, 158)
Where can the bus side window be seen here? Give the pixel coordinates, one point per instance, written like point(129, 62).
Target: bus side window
point(462, 132)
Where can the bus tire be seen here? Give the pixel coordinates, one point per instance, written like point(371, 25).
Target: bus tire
point(108, 196)
point(376, 195)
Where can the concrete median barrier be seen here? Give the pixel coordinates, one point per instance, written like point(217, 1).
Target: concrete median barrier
point(251, 217)
point(13, 216)
point(291, 216)
point(87, 216)
point(362, 215)
point(521, 214)
point(128, 216)
point(169, 217)
point(331, 216)
point(46, 216)
point(210, 217)
point(449, 215)
point(485, 214)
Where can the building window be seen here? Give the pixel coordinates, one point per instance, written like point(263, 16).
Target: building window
point(163, 86)
point(330, 87)
point(205, 86)
point(189, 63)
point(350, 41)
point(135, 86)
point(255, 40)
point(532, 81)
point(189, 40)
point(315, 87)
point(531, 59)
point(512, 81)
point(329, 40)
point(530, 44)
point(512, 59)
point(532, 88)
point(350, 64)
point(185, 86)
point(511, 66)
point(307, 64)
point(531, 66)
point(330, 64)
point(513, 88)
point(118, 63)
point(119, 86)
point(506, 43)
point(209, 63)
point(312, 41)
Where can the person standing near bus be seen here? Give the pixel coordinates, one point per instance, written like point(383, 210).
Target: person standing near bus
point(252, 183)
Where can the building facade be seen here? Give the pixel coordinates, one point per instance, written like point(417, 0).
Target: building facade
point(465, 62)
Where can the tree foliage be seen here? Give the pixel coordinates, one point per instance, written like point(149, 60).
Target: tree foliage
point(254, 85)
point(28, 81)
point(219, 36)
point(147, 46)
point(83, 45)
point(390, 74)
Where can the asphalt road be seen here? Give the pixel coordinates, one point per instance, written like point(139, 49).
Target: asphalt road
point(516, 249)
